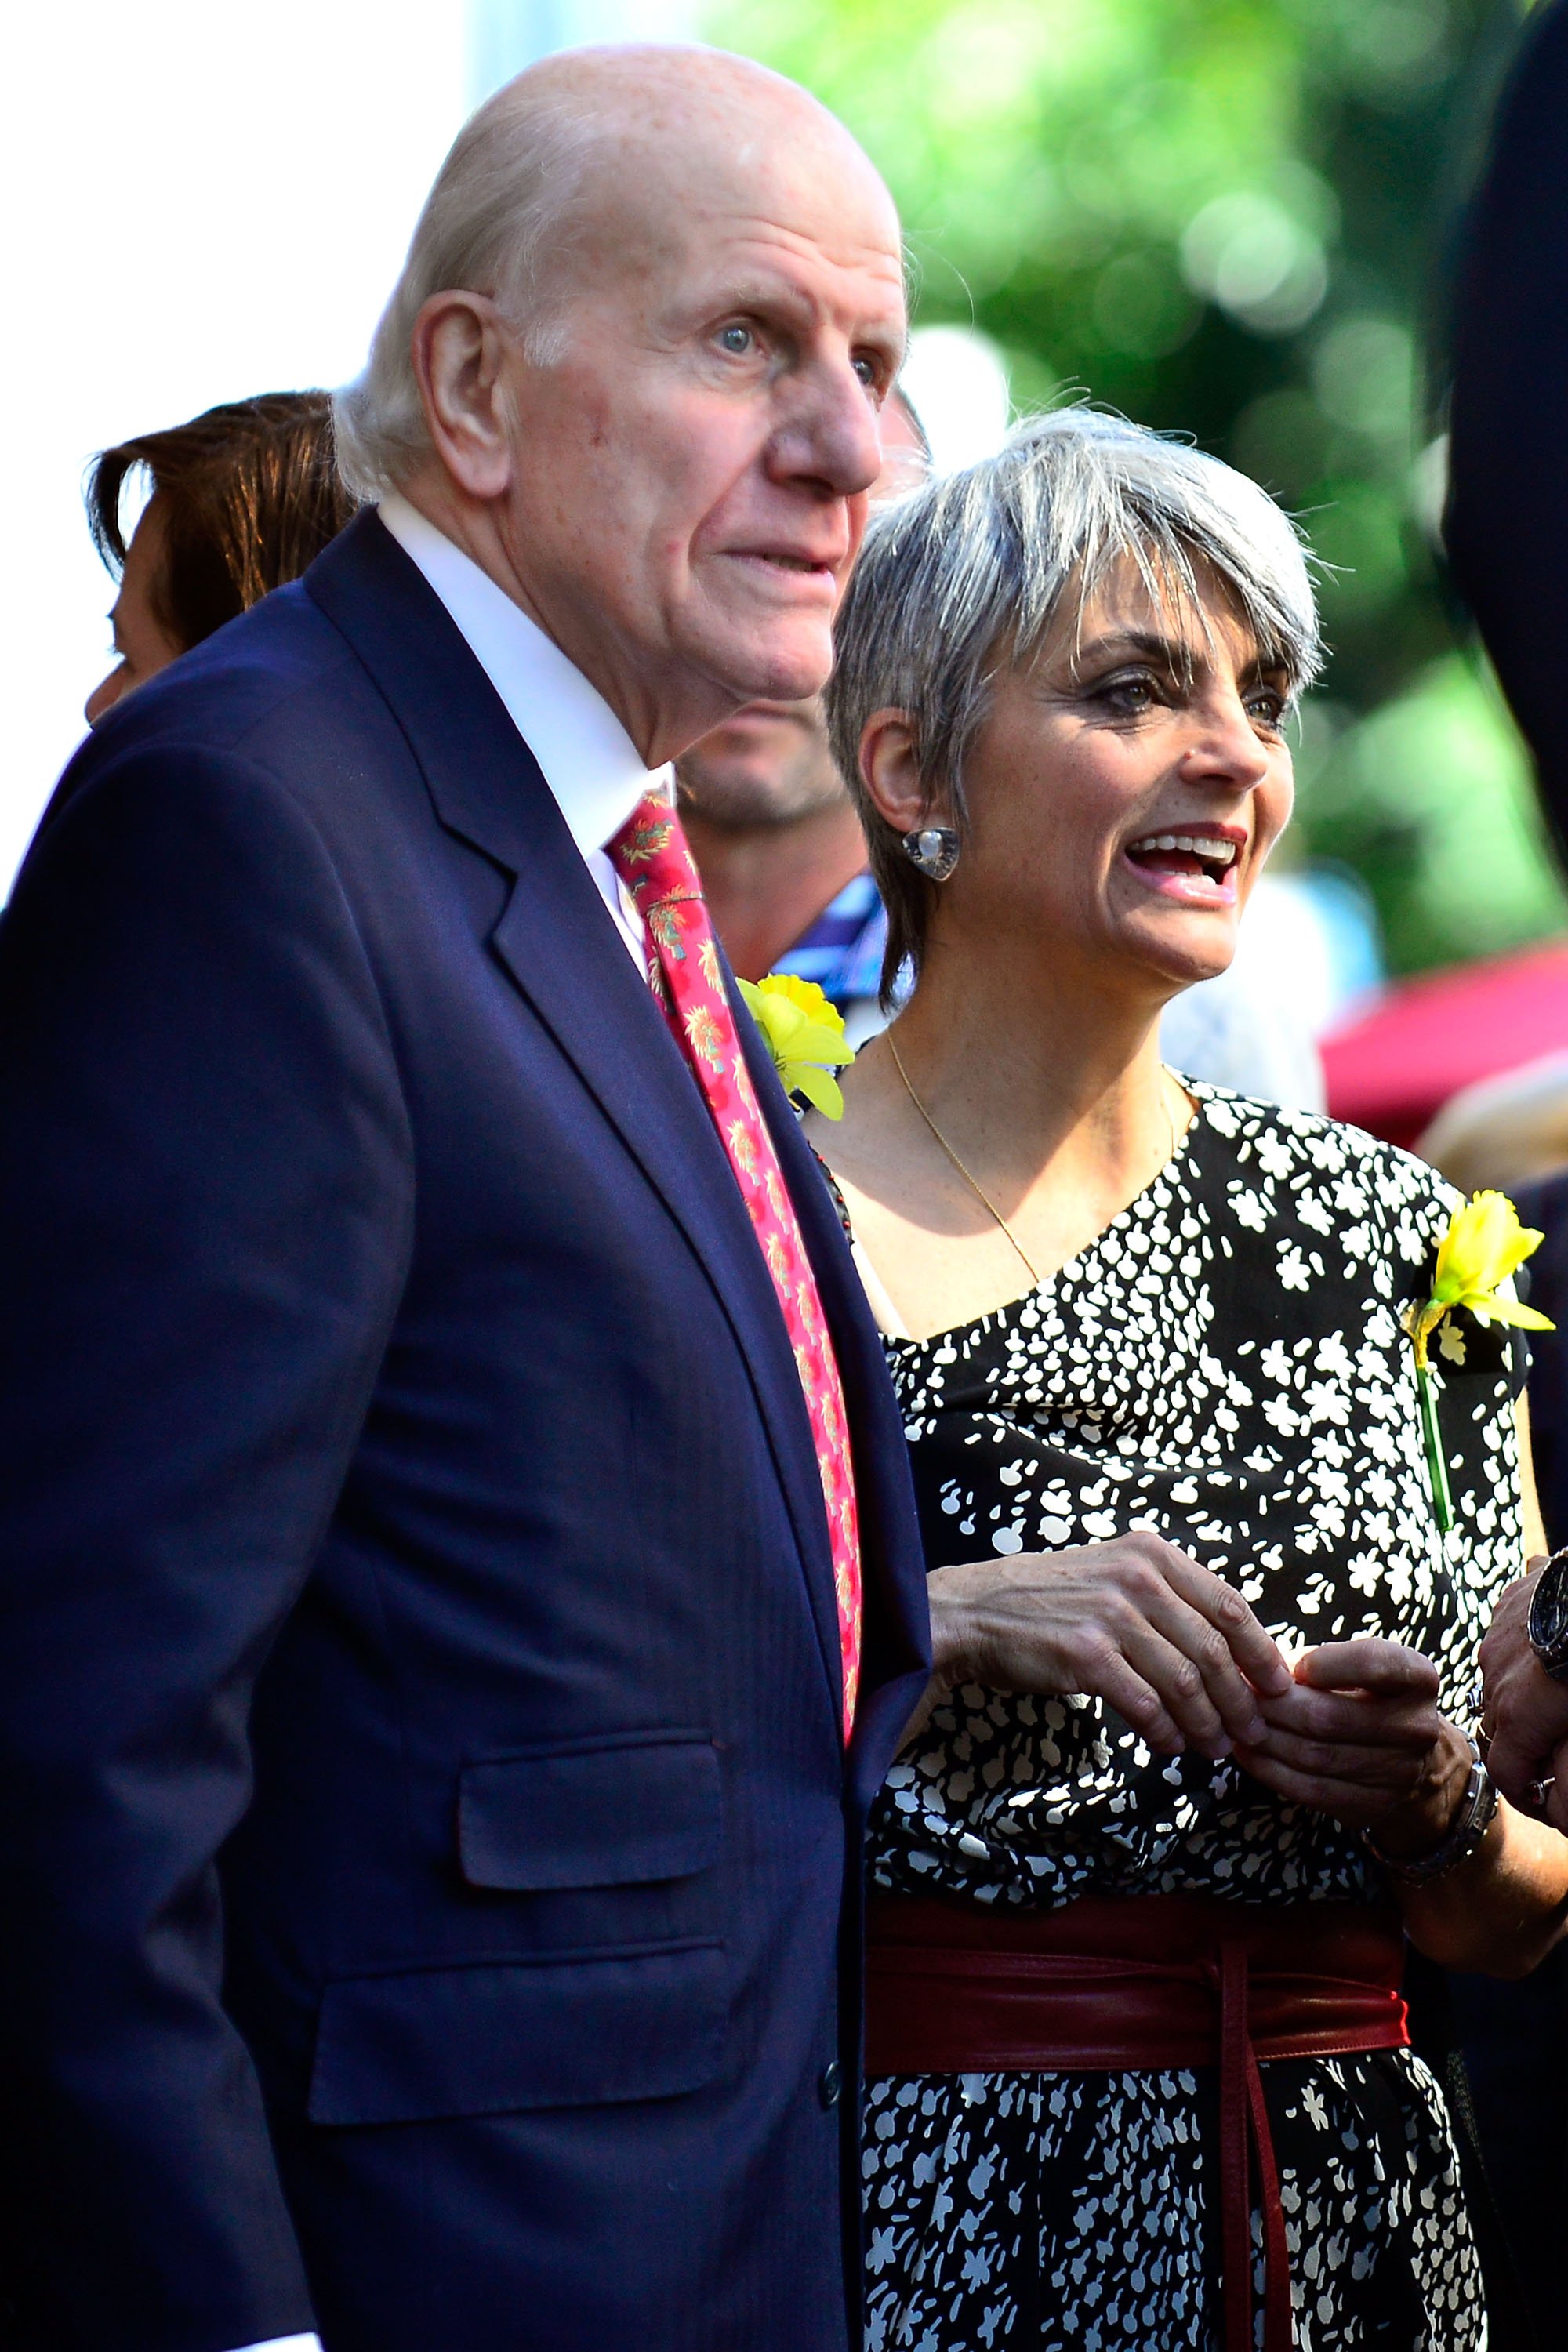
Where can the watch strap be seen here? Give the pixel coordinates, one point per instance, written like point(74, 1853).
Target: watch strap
point(1478, 1811)
point(1548, 1625)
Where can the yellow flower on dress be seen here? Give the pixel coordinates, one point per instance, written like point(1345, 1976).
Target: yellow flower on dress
point(1482, 1246)
point(1485, 1243)
point(804, 1033)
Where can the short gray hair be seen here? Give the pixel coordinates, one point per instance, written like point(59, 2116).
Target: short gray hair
point(967, 575)
point(501, 200)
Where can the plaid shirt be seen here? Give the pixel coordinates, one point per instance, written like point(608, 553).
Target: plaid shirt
point(843, 950)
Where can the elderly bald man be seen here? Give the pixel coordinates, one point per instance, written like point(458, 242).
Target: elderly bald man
point(459, 1588)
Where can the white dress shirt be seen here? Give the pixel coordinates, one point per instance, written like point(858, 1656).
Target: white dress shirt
point(589, 761)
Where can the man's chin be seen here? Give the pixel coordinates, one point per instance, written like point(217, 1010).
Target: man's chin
point(787, 663)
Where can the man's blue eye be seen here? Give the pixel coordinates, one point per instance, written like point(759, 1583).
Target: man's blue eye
point(735, 339)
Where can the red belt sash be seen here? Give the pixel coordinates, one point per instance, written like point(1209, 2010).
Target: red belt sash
point(1159, 1981)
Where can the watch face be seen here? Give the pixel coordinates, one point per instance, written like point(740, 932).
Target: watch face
point(1549, 1612)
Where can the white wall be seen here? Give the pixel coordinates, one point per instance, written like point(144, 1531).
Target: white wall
point(201, 200)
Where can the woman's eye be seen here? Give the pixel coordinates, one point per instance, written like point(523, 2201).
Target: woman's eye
point(870, 373)
point(1127, 696)
point(1268, 708)
point(736, 339)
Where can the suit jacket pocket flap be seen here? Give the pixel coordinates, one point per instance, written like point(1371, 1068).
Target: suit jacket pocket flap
point(498, 2038)
point(618, 1814)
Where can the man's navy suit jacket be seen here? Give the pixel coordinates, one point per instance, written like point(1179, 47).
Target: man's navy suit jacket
point(426, 1828)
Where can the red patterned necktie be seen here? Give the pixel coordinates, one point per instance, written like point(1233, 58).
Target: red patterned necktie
point(651, 857)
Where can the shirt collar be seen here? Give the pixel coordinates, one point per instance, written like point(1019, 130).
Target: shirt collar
point(589, 761)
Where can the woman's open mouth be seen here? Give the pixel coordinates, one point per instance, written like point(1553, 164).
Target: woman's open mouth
point(1200, 868)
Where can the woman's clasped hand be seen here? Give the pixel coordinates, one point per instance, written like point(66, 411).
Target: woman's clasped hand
point(1358, 1735)
point(1353, 1731)
point(1174, 1649)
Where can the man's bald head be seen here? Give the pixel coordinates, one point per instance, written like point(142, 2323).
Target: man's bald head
point(643, 96)
point(570, 169)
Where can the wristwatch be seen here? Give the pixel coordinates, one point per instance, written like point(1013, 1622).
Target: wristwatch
point(1478, 1811)
point(1549, 1616)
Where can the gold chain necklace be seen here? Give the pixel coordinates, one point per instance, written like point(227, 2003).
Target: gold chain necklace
point(974, 1183)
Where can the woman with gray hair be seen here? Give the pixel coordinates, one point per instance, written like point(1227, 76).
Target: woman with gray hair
point(1187, 1775)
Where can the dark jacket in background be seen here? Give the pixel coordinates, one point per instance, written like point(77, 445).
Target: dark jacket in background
point(1545, 1207)
point(1507, 522)
point(1515, 2035)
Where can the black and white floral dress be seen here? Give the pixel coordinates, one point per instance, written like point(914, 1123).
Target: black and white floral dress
point(1225, 1365)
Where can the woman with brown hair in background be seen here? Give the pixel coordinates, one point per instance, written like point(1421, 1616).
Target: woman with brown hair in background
point(244, 496)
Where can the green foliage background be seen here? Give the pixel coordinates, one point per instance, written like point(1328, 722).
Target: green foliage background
point(1231, 217)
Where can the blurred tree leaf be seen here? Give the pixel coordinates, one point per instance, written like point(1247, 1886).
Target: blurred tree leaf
point(1225, 217)
point(1433, 790)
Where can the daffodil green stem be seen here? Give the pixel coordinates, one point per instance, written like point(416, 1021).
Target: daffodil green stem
point(1437, 1467)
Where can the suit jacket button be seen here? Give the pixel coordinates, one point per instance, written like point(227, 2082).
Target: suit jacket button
point(830, 2084)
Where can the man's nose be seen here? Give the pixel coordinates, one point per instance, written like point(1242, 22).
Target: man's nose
point(834, 436)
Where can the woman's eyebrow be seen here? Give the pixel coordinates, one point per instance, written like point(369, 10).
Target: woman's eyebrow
point(1173, 652)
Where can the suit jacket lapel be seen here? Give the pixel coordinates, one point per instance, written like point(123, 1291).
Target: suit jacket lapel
point(556, 943)
point(622, 1047)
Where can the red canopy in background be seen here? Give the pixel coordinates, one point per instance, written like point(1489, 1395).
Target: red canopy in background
point(1392, 1070)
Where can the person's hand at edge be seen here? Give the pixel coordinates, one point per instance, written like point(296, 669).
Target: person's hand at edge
point(1524, 1713)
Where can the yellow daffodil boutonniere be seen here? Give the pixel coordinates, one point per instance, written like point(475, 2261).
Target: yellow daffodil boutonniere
point(805, 1034)
point(1484, 1244)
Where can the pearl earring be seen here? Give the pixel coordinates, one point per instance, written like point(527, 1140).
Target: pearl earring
point(934, 850)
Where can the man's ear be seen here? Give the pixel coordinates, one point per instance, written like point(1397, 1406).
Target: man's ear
point(460, 348)
point(890, 770)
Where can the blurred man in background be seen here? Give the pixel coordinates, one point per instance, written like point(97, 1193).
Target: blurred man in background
point(775, 836)
point(244, 497)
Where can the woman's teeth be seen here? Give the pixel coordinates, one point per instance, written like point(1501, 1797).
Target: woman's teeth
point(1205, 851)
point(1199, 844)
